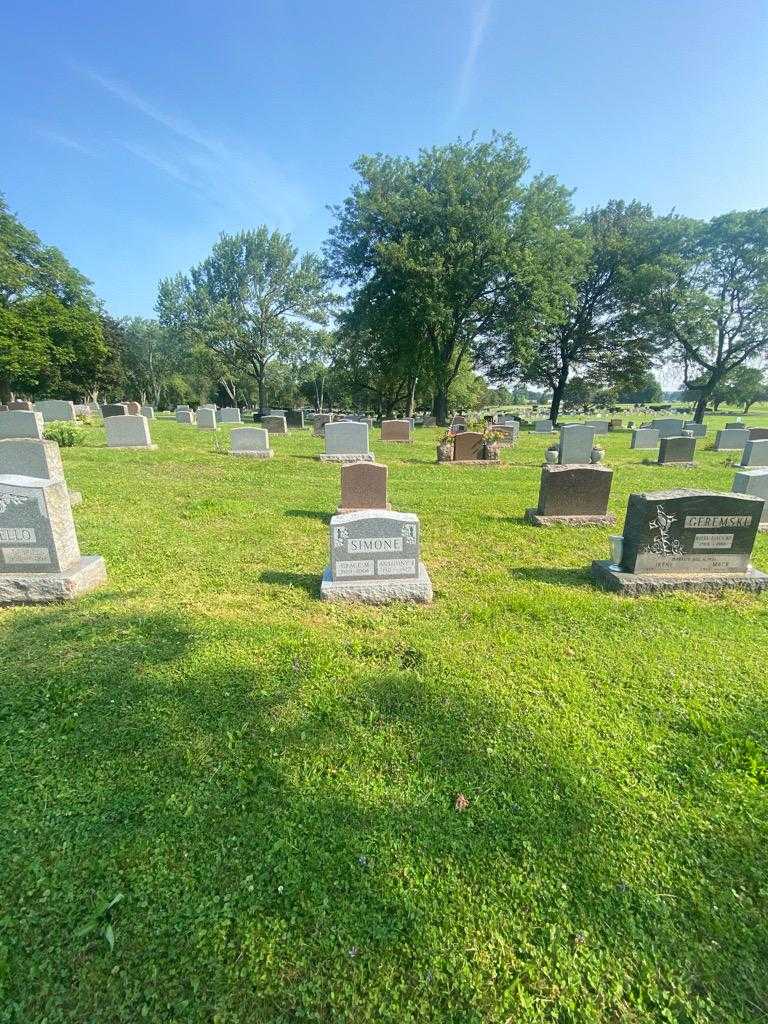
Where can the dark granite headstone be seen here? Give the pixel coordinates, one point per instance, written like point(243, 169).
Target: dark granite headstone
point(572, 490)
point(676, 449)
point(119, 409)
point(755, 434)
point(295, 418)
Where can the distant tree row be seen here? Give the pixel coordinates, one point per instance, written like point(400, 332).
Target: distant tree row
point(447, 280)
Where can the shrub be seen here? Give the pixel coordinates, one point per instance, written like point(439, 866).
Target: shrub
point(67, 435)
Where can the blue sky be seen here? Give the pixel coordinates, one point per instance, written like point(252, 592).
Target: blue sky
point(133, 133)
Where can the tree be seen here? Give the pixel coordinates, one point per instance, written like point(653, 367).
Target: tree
point(438, 247)
point(707, 303)
point(249, 301)
point(593, 336)
point(646, 390)
point(743, 386)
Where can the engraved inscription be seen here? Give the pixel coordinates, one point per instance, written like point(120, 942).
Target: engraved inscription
point(17, 535)
point(371, 545)
point(714, 522)
point(396, 566)
point(363, 567)
point(26, 556)
point(710, 541)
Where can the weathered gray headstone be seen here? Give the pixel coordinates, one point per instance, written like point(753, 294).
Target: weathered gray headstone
point(732, 439)
point(274, 423)
point(669, 427)
point(253, 441)
point(645, 437)
point(755, 454)
point(40, 558)
point(295, 418)
point(576, 443)
point(697, 429)
point(375, 558)
point(230, 415)
point(319, 422)
point(133, 408)
point(30, 456)
point(21, 424)
point(128, 432)
point(346, 442)
point(206, 418)
point(543, 426)
point(53, 409)
point(677, 450)
point(20, 405)
point(458, 424)
point(148, 412)
point(755, 483)
point(599, 426)
point(185, 416)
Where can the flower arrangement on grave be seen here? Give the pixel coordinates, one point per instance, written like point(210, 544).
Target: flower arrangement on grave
point(445, 447)
point(491, 439)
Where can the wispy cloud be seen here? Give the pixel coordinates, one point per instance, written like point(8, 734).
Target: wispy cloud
point(159, 163)
point(63, 140)
point(480, 14)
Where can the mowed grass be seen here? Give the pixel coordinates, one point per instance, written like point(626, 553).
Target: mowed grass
point(269, 781)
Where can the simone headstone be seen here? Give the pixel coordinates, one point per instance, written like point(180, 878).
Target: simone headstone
point(685, 539)
point(53, 409)
point(128, 431)
point(346, 442)
point(21, 424)
point(253, 441)
point(40, 558)
point(375, 558)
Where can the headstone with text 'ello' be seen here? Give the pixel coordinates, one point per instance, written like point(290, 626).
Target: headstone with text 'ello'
point(576, 443)
point(230, 415)
point(128, 432)
point(686, 539)
point(53, 409)
point(346, 442)
point(21, 424)
point(755, 483)
point(363, 485)
point(274, 423)
point(40, 558)
point(755, 454)
point(206, 418)
point(644, 438)
point(253, 441)
point(396, 430)
point(375, 558)
point(30, 456)
point(732, 439)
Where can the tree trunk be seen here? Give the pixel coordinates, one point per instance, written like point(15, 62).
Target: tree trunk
point(263, 409)
point(557, 394)
point(411, 398)
point(440, 405)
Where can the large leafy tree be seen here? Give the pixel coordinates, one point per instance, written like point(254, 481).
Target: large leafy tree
point(251, 301)
point(593, 338)
point(706, 304)
point(51, 341)
point(434, 250)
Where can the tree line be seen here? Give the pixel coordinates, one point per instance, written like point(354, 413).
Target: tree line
point(449, 280)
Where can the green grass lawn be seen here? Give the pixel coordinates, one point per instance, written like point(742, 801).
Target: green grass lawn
point(269, 781)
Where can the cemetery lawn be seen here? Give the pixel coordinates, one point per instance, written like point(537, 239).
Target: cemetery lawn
point(266, 784)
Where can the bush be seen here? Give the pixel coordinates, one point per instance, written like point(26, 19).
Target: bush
point(67, 435)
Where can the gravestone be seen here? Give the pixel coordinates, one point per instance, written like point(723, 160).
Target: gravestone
point(206, 418)
point(458, 424)
point(615, 424)
point(30, 456)
point(21, 424)
point(576, 443)
point(20, 405)
point(319, 422)
point(116, 409)
point(697, 429)
point(274, 423)
point(133, 409)
point(755, 434)
point(252, 441)
point(468, 446)
point(185, 416)
point(363, 485)
point(396, 430)
point(148, 412)
point(645, 437)
point(573, 495)
point(669, 427)
point(53, 409)
point(755, 483)
point(543, 426)
point(230, 415)
point(277, 412)
point(677, 450)
point(375, 558)
point(40, 558)
point(295, 418)
point(732, 439)
point(510, 432)
point(599, 426)
point(755, 454)
point(735, 425)
point(430, 421)
point(128, 432)
point(346, 441)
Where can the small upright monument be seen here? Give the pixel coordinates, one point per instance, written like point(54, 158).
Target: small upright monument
point(363, 486)
point(346, 442)
point(250, 441)
point(574, 490)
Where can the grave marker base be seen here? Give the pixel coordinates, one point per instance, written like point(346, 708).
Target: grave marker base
point(387, 508)
point(367, 457)
point(632, 584)
point(379, 591)
point(533, 517)
point(132, 447)
point(261, 454)
point(43, 588)
point(664, 465)
point(75, 498)
point(472, 462)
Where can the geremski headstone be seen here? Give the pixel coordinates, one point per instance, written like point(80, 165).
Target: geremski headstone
point(185, 416)
point(686, 540)
point(230, 415)
point(40, 558)
point(30, 456)
point(295, 418)
point(133, 408)
point(375, 558)
point(319, 423)
point(396, 430)
point(732, 439)
point(148, 412)
point(543, 426)
point(274, 423)
point(755, 454)
point(128, 431)
point(576, 443)
point(116, 409)
point(363, 486)
point(253, 441)
point(206, 418)
point(644, 438)
point(755, 483)
point(346, 442)
point(21, 424)
point(669, 427)
point(677, 450)
point(53, 409)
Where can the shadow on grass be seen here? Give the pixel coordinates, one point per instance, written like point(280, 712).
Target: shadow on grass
point(560, 577)
point(305, 581)
point(307, 513)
